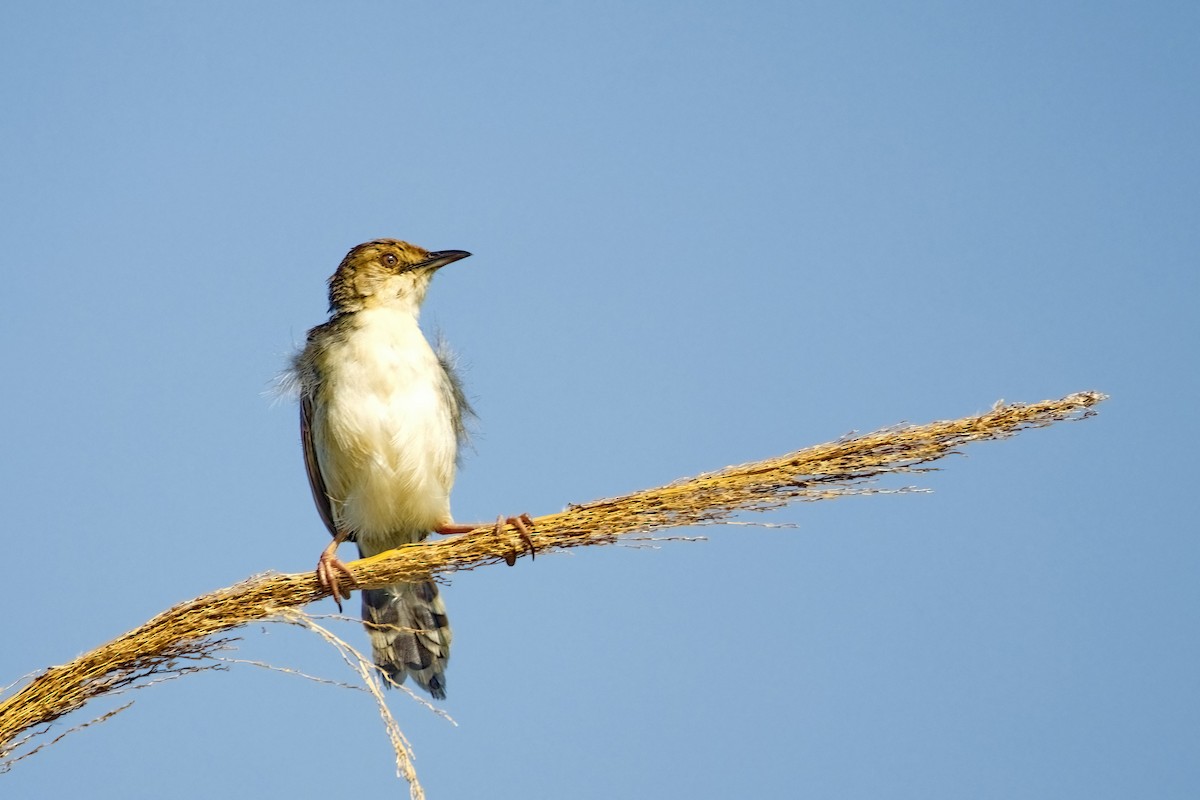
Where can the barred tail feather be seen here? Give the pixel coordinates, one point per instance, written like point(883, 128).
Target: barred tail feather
point(410, 634)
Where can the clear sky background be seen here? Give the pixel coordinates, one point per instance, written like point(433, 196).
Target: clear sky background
point(704, 233)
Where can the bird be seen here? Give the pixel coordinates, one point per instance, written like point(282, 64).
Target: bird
point(381, 424)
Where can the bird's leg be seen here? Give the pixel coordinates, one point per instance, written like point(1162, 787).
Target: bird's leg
point(522, 523)
point(330, 567)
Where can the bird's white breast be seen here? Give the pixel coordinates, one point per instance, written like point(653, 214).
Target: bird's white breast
point(385, 432)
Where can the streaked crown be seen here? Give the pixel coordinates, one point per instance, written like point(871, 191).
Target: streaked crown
point(384, 271)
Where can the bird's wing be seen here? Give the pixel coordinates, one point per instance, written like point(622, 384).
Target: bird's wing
point(313, 466)
point(452, 388)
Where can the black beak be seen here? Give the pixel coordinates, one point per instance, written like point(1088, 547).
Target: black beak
point(440, 259)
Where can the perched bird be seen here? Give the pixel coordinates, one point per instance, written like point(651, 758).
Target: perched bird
point(381, 421)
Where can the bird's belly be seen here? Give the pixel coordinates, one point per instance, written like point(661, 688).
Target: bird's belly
point(391, 446)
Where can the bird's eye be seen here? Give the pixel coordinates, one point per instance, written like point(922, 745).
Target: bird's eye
point(390, 259)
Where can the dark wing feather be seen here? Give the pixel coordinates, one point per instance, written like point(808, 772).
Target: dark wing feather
point(315, 481)
point(452, 389)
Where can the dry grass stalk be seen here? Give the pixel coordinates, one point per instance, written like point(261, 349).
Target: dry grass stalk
point(371, 677)
point(185, 638)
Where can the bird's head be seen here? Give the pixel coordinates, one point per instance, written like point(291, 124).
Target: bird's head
point(385, 272)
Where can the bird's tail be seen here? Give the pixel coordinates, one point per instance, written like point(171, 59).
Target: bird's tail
point(410, 634)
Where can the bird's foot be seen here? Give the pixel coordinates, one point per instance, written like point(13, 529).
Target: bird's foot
point(331, 573)
point(522, 523)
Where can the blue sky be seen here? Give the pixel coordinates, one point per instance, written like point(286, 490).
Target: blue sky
point(704, 233)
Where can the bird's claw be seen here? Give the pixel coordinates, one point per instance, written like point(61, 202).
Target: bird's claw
point(330, 574)
point(522, 523)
